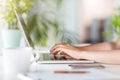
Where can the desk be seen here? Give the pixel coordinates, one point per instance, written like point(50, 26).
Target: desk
point(45, 72)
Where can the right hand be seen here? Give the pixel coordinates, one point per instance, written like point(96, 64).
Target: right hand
point(67, 50)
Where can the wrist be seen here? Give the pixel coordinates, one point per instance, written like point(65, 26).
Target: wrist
point(83, 55)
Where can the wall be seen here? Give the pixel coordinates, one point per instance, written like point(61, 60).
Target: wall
point(79, 14)
point(88, 10)
point(69, 14)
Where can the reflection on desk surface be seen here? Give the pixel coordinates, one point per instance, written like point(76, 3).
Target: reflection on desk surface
point(92, 74)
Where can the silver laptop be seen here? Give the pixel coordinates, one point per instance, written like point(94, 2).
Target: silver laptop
point(45, 57)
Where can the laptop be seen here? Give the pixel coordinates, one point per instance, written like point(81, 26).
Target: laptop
point(44, 56)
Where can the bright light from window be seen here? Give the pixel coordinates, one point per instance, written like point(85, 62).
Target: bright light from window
point(98, 8)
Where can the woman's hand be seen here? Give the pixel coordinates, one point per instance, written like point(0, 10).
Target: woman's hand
point(66, 49)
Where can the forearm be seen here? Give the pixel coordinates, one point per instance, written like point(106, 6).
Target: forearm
point(110, 57)
point(99, 46)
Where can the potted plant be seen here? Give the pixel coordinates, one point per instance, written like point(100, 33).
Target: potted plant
point(112, 32)
point(115, 21)
point(11, 33)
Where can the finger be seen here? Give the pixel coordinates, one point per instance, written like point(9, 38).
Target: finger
point(60, 51)
point(56, 51)
point(51, 50)
point(64, 51)
point(68, 53)
point(56, 46)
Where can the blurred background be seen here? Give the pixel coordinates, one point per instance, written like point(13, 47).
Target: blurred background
point(71, 21)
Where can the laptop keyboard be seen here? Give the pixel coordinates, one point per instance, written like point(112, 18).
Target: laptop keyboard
point(48, 56)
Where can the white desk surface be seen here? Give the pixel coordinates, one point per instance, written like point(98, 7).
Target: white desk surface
point(45, 72)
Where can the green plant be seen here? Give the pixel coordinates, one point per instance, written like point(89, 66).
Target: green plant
point(113, 30)
point(45, 21)
point(46, 26)
point(115, 21)
point(7, 11)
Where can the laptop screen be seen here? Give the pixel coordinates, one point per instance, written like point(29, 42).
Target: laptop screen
point(24, 29)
